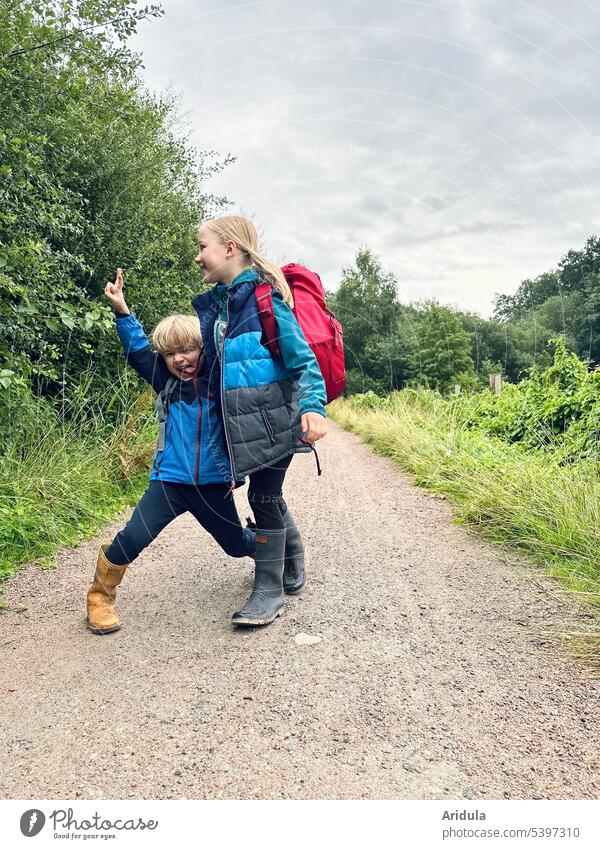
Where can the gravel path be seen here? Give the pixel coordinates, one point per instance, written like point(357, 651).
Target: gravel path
point(428, 682)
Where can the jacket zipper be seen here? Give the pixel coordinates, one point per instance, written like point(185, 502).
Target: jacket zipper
point(232, 487)
point(268, 426)
point(199, 422)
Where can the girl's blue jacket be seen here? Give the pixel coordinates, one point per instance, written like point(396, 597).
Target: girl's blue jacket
point(195, 449)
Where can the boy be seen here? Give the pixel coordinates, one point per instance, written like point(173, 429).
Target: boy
point(190, 470)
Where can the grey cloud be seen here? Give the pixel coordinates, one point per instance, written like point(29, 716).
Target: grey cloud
point(470, 134)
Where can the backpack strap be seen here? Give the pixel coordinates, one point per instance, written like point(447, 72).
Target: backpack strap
point(162, 404)
point(266, 314)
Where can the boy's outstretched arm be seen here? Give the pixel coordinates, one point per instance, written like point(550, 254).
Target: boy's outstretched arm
point(140, 356)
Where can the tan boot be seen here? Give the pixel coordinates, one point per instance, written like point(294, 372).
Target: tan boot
point(102, 616)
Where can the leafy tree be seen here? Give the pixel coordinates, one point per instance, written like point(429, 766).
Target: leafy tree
point(366, 303)
point(92, 175)
point(530, 295)
point(392, 360)
point(565, 300)
point(579, 268)
point(444, 346)
point(510, 348)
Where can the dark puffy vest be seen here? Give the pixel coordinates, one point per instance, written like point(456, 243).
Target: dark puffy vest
point(257, 394)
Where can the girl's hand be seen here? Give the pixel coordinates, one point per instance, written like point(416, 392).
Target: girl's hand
point(114, 293)
point(314, 426)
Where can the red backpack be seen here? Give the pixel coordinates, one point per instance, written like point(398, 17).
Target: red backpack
point(321, 328)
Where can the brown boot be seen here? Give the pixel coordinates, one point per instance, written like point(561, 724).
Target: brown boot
point(102, 616)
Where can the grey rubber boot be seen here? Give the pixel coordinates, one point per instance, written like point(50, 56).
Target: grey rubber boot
point(267, 599)
point(294, 577)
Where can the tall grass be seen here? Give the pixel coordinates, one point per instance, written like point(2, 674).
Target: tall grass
point(68, 467)
point(526, 499)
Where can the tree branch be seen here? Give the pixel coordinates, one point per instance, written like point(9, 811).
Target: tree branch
point(72, 35)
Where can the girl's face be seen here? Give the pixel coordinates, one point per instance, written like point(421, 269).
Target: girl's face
point(213, 256)
point(183, 362)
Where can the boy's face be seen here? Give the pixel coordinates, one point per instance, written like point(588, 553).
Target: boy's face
point(183, 362)
point(212, 255)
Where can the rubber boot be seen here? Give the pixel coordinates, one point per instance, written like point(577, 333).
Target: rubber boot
point(294, 577)
point(267, 599)
point(102, 616)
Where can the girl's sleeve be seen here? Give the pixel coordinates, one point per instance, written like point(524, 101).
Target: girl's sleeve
point(140, 356)
point(298, 358)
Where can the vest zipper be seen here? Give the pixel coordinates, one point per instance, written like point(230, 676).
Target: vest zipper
point(268, 426)
point(223, 408)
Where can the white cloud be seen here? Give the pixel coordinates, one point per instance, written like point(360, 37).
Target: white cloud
point(457, 139)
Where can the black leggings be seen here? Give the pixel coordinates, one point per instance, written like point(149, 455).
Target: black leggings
point(265, 495)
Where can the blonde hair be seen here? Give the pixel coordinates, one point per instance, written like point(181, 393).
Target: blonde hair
point(242, 231)
point(176, 331)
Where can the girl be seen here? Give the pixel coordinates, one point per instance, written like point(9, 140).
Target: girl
point(190, 470)
point(269, 408)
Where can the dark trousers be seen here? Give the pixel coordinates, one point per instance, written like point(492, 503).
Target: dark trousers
point(265, 495)
point(213, 508)
point(210, 504)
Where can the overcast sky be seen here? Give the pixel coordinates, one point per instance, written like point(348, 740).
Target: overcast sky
point(459, 139)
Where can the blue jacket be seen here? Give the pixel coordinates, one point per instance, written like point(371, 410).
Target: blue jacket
point(261, 397)
point(194, 451)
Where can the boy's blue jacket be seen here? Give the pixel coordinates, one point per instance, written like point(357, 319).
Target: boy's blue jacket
point(196, 451)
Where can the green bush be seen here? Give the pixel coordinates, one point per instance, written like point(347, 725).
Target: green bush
point(556, 409)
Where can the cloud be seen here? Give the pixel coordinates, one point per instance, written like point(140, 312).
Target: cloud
point(457, 139)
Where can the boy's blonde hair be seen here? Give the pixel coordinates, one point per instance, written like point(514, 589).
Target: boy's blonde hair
point(242, 231)
point(176, 331)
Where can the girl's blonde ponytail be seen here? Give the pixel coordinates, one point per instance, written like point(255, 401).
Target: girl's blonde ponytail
point(242, 231)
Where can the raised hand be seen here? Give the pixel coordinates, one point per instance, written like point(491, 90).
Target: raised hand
point(114, 293)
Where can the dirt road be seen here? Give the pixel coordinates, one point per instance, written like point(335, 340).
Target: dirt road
point(428, 680)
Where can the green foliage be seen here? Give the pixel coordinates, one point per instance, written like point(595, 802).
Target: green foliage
point(389, 360)
point(358, 381)
point(564, 301)
point(370, 401)
point(67, 469)
point(92, 175)
point(530, 295)
point(366, 301)
point(390, 345)
point(556, 408)
point(444, 347)
point(508, 348)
